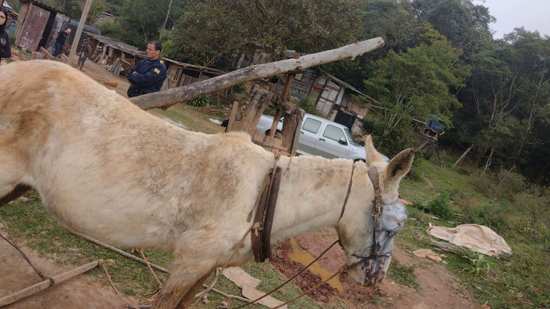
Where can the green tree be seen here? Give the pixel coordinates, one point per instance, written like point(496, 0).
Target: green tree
point(506, 100)
point(416, 83)
point(73, 8)
point(211, 29)
point(464, 23)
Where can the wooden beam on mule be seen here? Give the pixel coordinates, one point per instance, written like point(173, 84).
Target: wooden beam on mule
point(46, 284)
point(185, 93)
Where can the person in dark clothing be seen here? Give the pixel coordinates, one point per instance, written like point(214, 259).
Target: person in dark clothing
point(149, 74)
point(84, 53)
point(60, 41)
point(5, 48)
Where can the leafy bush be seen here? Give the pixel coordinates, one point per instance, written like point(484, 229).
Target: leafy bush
point(485, 184)
point(492, 215)
point(308, 105)
point(440, 206)
point(510, 183)
point(112, 29)
point(201, 101)
point(390, 141)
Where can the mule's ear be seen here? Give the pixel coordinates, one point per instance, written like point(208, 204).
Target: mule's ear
point(400, 165)
point(372, 154)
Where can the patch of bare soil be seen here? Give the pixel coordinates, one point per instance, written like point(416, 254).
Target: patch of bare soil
point(306, 281)
point(80, 292)
point(437, 287)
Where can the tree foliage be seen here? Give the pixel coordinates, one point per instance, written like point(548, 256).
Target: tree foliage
point(440, 59)
point(211, 29)
point(416, 83)
point(73, 8)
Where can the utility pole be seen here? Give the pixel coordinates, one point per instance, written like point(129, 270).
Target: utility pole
point(167, 14)
point(78, 34)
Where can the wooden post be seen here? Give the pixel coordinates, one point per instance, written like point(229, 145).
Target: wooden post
point(41, 286)
point(119, 251)
point(167, 14)
point(233, 117)
point(463, 156)
point(72, 55)
point(291, 130)
point(182, 94)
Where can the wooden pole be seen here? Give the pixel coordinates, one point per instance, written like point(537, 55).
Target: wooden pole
point(119, 251)
point(182, 94)
point(43, 285)
point(72, 55)
point(167, 14)
point(464, 154)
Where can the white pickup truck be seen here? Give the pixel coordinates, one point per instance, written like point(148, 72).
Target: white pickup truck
point(322, 137)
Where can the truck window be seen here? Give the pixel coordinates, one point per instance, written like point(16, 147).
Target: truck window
point(334, 133)
point(311, 125)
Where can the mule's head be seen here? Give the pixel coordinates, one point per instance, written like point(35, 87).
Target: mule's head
point(367, 234)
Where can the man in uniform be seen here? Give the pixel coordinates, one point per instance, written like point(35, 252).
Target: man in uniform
point(149, 74)
point(59, 44)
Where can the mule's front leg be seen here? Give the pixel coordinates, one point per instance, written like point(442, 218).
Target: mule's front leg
point(196, 255)
point(183, 278)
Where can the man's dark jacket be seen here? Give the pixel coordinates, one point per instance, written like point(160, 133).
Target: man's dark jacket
point(146, 77)
point(5, 49)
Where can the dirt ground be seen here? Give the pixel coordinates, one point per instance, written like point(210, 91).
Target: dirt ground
point(80, 292)
point(437, 287)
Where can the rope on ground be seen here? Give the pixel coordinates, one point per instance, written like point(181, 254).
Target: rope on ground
point(211, 286)
point(130, 303)
point(38, 272)
point(227, 295)
point(150, 268)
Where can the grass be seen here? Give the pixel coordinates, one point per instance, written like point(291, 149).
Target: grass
point(403, 275)
point(520, 281)
point(191, 118)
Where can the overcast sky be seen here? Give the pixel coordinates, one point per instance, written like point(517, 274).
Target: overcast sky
point(510, 14)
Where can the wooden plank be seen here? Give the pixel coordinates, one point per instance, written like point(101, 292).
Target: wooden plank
point(33, 28)
point(182, 94)
point(232, 117)
point(119, 251)
point(72, 55)
point(43, 285)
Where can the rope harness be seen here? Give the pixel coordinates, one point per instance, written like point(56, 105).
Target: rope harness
point(366, 261)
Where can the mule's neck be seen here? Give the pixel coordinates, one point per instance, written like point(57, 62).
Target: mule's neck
point(311, 195)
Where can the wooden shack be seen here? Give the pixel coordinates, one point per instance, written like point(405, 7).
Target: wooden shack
point(119, 57)
point(38, 25)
